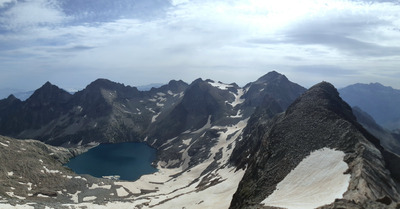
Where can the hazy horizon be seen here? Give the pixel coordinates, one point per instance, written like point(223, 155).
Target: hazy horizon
point(4, 93)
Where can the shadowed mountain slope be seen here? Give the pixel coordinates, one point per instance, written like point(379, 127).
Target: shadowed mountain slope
point(381, 102)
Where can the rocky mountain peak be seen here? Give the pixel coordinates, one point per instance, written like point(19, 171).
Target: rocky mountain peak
point(173, 85)
point(271, 77)
point(177, 84)
point(201, 103)
point(272, 85)
point(106, 84)
point(322, 95)
point(101, 82)
point(48, 94)
point(11, 98)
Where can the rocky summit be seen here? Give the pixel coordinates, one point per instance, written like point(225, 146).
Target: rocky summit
point(270, 144)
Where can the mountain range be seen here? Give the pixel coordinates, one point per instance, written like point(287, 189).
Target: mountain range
point(381, 102)
point(270, 144)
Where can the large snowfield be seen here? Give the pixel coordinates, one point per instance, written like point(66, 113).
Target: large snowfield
point(318, 180)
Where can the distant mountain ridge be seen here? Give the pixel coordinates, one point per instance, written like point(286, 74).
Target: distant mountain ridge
point(25, 94)
point(381, 102)
point(106, 111)
point(52, 113)
point(269, 144)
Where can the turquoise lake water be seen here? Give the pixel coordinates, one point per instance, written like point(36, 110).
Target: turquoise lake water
point(128, 160)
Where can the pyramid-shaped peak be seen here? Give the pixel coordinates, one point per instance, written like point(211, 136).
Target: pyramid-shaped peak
point(11, 97)
point(47, 84)
point(48, 87)
point(49, 92)
point(271, 76)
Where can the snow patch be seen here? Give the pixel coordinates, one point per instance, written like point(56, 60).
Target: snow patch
point(8, 206)
point(238, 99)
point(97, 186)
point(11, 194)
point(27, 184)
point(187, 141)
point(238, 115)
point(206, 126)
point(220, 85)
point(75, 197)
point(90, 198)
point(43, 196)
point(121, 192)
point(169, 141)
point(180, 95)
point(306, 185)
point(154, 118)
point(151, 110)
point(114, 177)
point(6, 145)
point(51, 171)
point(10, 173)
point(80, 177)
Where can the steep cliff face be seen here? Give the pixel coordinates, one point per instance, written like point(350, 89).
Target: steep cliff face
point(318, 120)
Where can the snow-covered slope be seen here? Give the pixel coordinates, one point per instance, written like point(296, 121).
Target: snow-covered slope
point(318, 180)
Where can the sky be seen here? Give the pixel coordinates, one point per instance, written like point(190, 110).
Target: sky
point(137, 42)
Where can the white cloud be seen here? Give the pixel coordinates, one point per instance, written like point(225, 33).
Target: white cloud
point(178, 2)
point(3, 3)
point(32, 13)
point(223, 40)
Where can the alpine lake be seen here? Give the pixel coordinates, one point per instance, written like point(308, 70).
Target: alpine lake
point(124, 161)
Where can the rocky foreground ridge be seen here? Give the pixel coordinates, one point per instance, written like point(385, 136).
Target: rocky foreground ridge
point(219, 146)
point(318, 119)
